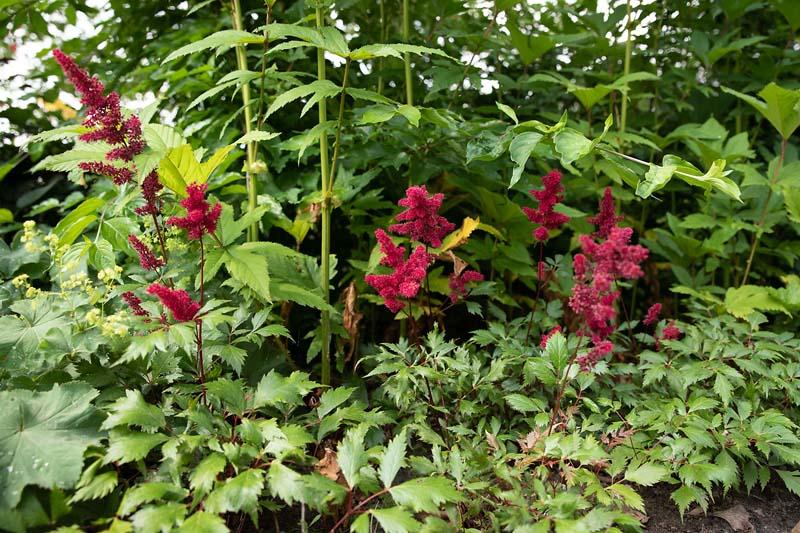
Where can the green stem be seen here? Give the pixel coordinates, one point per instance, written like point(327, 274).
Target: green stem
point(337, 141)
point(241, 61)
point(325, 215)
point(627, 70)
point(763, 216)
point(407, 56)
point(383, 40)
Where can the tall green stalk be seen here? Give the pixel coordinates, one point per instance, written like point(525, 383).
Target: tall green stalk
point(626, 70)
point(325, 215)
point(407, 56)
point(241, 62)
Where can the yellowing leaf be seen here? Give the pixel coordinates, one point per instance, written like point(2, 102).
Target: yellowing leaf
point(460, 236)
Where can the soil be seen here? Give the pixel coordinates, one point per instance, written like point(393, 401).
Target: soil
point(773, 510)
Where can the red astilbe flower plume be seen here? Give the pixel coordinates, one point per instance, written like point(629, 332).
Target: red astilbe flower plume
point(150, 189)
point(147, 259)
point(200, 217)
point(653, 314)
point(596, 269)
point(134, 303)
point(105, 120)
point(598, 352)
point(178, 301)
point(393, 255)
point(458, 283)
point(406, 279)
point(543, 214)
point(607, 218)
point(421, 220)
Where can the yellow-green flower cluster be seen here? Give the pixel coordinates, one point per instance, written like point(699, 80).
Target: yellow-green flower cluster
point(31, 237)
point(115, 325)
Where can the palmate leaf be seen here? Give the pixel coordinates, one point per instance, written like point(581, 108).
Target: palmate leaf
point(20, 336)
point(43, 436)
point(126, 446)
point(147, 493)
point(215, 40)
point(203, 522)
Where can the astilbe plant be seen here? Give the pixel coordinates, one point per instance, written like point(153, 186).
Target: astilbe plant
point(105, 122)
point(421, 222)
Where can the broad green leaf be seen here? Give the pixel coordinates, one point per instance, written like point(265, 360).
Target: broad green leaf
point(647, 474)
point(530, 47)
point(378, 113)
point(426, 494)
point(655, 179)
point(133, 410)
point(781, 107)
point(508, 111)
point(285, 483)
point(149, 492)
point(249, 268)
point(71, 226)
point(333, 398)
point(203, 522)
point(43, 436)
point(21, 336)
point(411, 114)
point(393, 459)
point(741, 301)
point(158, 518)
point(126, 446)
point(396, 520)
point(215, 40)
point(205, 473)
point(240, 493)
point(521, 148)
point(176, 167)
point(715, 178)
point(274, 389)
point(351, 454)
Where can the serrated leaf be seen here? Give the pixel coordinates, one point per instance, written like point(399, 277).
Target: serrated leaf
point(741, 301)
point(133, 410)
point(285, 483)
point(426, 494)
point(351, 455)
point(274, 389)
point(157, 519)
point(205, 473)
point(215, 40)
point(126, 446)
point(393, 459)
point(203, 522)
point(147, 493)
point(521, 148)
point(325, 88)
point(333, 398)
point(240, 493)
point(647, 474)
point(249, 268)
point(524, 404)
point(396, 520)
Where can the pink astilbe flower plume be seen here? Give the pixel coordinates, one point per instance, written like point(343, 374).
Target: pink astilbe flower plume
point(607, 218)
point(200, 217)
point(393, 255)
point(178, 301)
point(421, 221)
point(458, 283)
point(543, 214)
point(134, 303)
point(406, 279)
point(147, 259)
point(150, 189)
point(596, 268)
point(653, 313)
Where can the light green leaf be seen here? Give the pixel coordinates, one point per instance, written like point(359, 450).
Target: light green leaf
point(655, 179)
point(521, 148)
point(351, 455)
point(778, 105)
point(143, 493)
point(240, 493)
point(43, 436)
point(647, 474)
point(127, 446)
point(524, 404)
point(325, 88)
point(158, 518)
point(274, 389)
point(215, 40)
point(203, 522)
point(426, 494)
point(396, 520)
point(741, 301)
point(393, 459)
point(205, 473)
point(133, 410)
point(285, 483)
point(333, 398)
point(249, 268)
point(508, 111)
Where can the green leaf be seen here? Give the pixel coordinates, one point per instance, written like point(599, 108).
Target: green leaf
point(396, 520)
point(351, 455)
point(71, 159)
point(126, 446)
point(240, 493)
point(508, 111)
point(143, 493)
point(274, 389)
point(655, 179)
point(530, 47)
point(71, 226)
point(205, 473)
point(320, 88)
point(779, 106)
point(285, 483)
point(216, 40)
point(99, 487)
point(686, 495)
point(203, 522)
point(426, 494)
point(256, 136)
point(157, 519)
point(249, 268)
point(333, 398)
point(21, 336)
point(397, 50)
point(133, 410)
point(393, 459)
point(741, 301)
point(647, 474)
point(791, 479)
point(43, 436)
point(524, 404)
point(521, 148)
point(715, 178)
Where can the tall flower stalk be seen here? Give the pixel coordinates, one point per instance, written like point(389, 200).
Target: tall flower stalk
point(406, 55)
point(241, 62)
point(325, 214)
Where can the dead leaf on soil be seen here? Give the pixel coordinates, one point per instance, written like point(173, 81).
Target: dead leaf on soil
point(796, 528)
point(737, 517)
point(328, 466)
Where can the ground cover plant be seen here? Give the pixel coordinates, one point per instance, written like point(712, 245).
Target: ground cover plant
point(405, 265)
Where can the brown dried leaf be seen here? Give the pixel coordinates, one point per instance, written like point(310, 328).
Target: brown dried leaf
point(737, 517)
point(328, 466)
point(492, 441)
point(530, 440)
point(350, 319)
